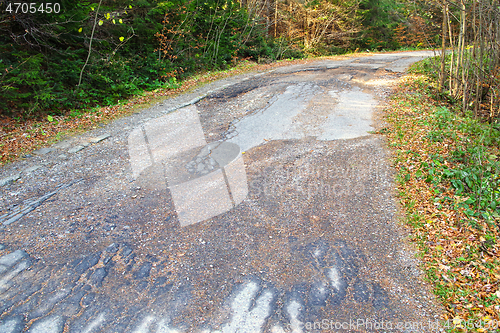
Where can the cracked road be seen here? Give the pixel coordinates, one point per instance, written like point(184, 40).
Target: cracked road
point(257, 203)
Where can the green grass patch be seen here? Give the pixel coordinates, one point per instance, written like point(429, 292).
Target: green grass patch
point(449, 187)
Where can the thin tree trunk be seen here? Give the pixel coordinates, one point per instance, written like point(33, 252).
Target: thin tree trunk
point(306, 30)
point(475, 51)
point(452, 79)
point(275, 18)
point(268, 14)
point(462, 55)
point(289, 21)
point(442, 77)
point(90, 44)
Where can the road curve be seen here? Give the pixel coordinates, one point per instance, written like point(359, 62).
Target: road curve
point(258, 203)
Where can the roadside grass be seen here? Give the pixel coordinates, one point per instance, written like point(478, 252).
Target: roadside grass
point(448, 175)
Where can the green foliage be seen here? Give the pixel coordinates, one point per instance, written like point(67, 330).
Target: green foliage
point(136, 46)
point(23, 81)
point(475, 172)
point(476, 178)
point(379, 19)
point(139, 45)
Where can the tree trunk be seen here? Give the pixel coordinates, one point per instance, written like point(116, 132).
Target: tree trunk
point(444, 36)
point(275, 18)
point(462, 55)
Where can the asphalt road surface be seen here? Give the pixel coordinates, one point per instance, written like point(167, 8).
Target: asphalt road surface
point(258, 203)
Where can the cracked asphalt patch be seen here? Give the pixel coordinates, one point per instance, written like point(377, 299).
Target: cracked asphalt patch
point(265, 206)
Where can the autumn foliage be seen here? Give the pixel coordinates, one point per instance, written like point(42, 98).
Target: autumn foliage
point(449, 187)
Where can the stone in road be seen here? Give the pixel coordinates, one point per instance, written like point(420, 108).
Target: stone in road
point(265, 206)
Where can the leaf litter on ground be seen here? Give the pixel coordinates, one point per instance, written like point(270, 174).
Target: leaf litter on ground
point(459, 247)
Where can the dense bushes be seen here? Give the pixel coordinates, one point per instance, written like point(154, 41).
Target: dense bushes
point(137, 45)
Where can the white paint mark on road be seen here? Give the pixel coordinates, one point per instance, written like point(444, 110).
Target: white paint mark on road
point(52, 324)
point(293, 310)
point(96, 323)
point(10, 326)
point(277, 329)
point(245, 320)
point(144, 325)
point(335, 277)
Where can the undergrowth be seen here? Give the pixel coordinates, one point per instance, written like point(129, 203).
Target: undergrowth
point(448, 178)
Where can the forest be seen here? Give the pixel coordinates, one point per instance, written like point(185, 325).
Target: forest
point(74, 55)
point(87, 53)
